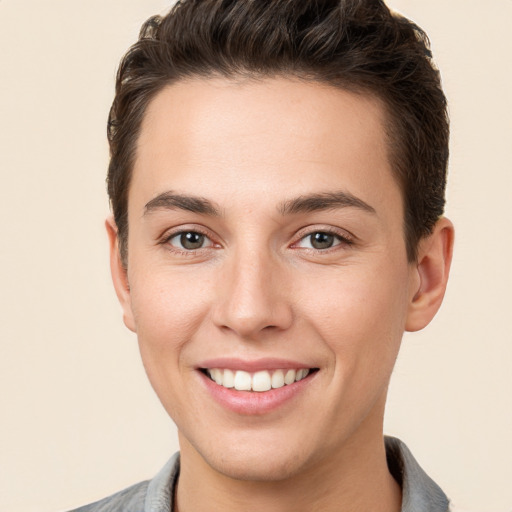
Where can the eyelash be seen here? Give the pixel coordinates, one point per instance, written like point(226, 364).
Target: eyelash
point(344, 240)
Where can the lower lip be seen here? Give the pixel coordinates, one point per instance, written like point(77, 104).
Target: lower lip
point(253, 402)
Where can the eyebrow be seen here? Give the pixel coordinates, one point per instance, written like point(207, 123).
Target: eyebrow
point(302, 204)
point(173, 201)
point(324, 201)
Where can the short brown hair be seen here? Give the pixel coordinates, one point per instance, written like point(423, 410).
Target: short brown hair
point(356, 45)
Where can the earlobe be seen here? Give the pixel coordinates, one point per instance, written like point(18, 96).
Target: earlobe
point(119, 274)
point(431, 272)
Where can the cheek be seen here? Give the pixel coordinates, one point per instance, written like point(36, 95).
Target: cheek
point(360, 313)
point(168, 308)
point(168, 311)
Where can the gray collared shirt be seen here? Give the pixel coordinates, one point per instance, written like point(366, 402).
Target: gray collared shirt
point(419, 492)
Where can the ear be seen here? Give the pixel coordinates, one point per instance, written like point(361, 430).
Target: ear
point(119, 274)
point(430, 275)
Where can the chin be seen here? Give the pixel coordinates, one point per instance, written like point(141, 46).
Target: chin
point(256, 467)
point(257, 460)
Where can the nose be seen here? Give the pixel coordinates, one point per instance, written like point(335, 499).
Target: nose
point(252, 296)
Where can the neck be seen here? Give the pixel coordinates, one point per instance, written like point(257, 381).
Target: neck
point(355, 479)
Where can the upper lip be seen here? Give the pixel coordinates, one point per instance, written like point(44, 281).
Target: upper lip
point(252, 365)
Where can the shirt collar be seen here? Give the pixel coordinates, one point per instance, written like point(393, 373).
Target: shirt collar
point(159, 496)
point(419, 492)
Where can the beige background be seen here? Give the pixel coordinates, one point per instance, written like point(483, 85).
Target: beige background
point(79, 420)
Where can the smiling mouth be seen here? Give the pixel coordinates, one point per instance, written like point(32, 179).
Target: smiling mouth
point(260, 381)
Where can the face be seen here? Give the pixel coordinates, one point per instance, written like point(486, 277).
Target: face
point(268, 279)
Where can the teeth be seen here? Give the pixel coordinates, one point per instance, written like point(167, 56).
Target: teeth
point(228, 380)
point(259, 381)
point(242, 381)
point(289, 378)
point(301, 374)
point(217, 376)
point(278, 379)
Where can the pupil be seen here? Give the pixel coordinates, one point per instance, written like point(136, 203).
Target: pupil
point(192, 240)
point(322, 240)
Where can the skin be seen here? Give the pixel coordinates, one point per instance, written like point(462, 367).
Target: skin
point(258, 287)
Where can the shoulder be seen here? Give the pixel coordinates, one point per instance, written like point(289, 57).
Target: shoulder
point(128, 500)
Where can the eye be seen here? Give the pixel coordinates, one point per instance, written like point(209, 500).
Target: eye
point(189, 240)
point(321, 240)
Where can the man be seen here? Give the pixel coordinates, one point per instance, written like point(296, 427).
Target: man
point(277, 181)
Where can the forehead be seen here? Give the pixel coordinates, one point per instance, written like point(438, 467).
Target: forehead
point(290, 134)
